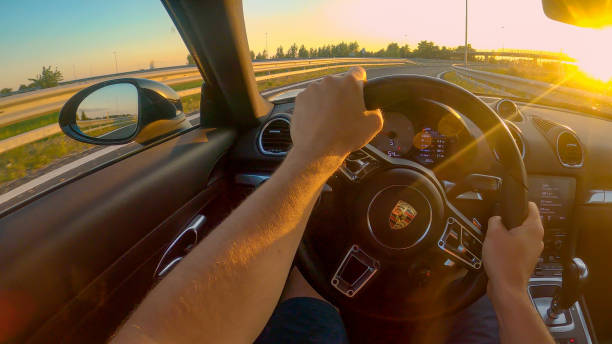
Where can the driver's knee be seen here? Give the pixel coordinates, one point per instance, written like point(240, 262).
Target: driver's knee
point(297, 286)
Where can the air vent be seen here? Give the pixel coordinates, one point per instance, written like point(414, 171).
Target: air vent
point(569, 150)
point(275, 137)
point(508, 110)
point(542, 124)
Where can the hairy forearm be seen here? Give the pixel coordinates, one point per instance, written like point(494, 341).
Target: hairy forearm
point(227, 287)
point(519, 322)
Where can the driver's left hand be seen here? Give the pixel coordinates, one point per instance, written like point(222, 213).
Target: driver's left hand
point(330, 119)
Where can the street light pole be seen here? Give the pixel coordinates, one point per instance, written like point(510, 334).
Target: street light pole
point(116, 67)
point(466, 28)
point(267, 52)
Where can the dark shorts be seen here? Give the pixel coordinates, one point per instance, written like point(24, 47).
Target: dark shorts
point(304, 320)
point(308, 320)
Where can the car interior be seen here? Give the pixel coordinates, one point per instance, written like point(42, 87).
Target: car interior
point(79, 257)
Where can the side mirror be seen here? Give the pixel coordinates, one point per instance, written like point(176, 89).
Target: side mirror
point(123, 110)
point(584, 13)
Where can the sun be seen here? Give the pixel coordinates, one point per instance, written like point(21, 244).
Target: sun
point(593, 54)
point(596, 65)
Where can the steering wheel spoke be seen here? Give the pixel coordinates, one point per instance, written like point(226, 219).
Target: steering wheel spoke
point(461, 240)
point(356, 269)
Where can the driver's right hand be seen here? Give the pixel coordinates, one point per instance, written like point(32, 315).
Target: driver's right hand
point(510, 256)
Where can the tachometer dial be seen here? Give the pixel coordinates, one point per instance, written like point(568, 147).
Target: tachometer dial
point(395, 139)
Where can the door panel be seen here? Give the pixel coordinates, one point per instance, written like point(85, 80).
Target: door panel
point(71, 249)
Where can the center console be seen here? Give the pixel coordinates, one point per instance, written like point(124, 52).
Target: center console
point(555, 199)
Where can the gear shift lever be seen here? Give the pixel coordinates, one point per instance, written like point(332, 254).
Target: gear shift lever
point(575, 274)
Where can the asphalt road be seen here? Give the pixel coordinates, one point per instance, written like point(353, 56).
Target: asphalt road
point(429, 68)
point(66, 169)
point(120, 133)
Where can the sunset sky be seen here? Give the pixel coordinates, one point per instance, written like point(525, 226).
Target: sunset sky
point(79, 37)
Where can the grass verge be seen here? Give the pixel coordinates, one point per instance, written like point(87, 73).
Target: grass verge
point(27, 125)
point(20, 161)
point(187, 85)
point(452, 77)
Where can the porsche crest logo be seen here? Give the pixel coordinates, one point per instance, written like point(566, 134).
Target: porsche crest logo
point(402, 214)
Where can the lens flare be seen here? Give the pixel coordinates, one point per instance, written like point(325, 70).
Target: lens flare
point(597, 65)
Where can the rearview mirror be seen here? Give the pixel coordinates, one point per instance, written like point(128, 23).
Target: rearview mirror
point(585, 13)
point(123, 110)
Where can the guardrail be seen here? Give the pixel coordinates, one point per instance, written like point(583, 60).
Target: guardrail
point(561, 95)
point(52, 129)
point(167, 72)
point(26, 105)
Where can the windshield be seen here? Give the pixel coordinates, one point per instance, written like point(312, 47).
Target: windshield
point(556, 63)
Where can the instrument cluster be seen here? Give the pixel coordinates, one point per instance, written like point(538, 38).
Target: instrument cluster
point(427, 140)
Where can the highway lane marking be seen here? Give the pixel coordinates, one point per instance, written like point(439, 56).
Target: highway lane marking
point(441, 74)
point(283, 88)
point(280, 89)
point(63, 169)
point(56, 173)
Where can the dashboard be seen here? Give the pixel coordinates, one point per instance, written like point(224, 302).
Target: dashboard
point(438, 137)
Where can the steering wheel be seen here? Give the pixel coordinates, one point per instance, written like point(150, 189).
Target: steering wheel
point(402, 251)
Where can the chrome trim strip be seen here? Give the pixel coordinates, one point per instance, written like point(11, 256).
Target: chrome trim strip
point(596, 197)
point(254, 180)
point(194, 226)
point(579, 145)
point(471, 195)
point(277, 117)
point(518, 112)
point(499, 179)
point(168, 267)
point(250, 179)
point(583, 322)
point(545, 279)
point(420, 238)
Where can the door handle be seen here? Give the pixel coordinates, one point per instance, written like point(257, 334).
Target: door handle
point(179, 247)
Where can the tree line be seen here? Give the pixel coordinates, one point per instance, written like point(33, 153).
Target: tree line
point(424, 49)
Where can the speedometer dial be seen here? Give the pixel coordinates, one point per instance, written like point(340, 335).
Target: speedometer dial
point(395, 138)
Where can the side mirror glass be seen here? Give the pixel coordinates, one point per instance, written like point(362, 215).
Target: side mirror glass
point(110, 112)
point(123, 110)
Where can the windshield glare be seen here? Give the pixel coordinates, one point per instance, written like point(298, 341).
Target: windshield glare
point(508, 38)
